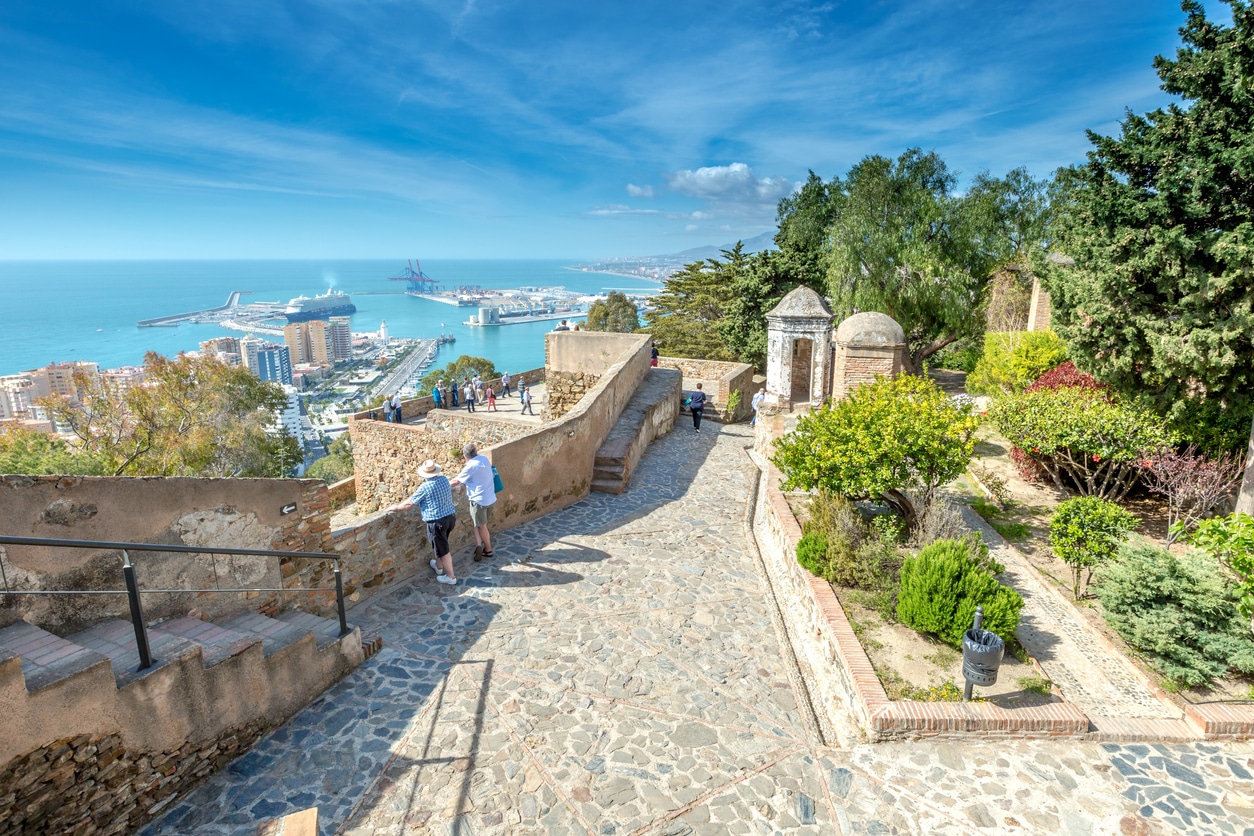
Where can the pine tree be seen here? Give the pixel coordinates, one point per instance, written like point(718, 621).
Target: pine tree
point(1160, 223)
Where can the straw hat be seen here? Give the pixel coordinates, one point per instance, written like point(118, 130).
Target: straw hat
point(429, 468)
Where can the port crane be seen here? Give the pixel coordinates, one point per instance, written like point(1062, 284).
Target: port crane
point(418, 281)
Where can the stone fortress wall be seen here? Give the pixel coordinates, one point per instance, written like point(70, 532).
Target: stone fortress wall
point(721, 379)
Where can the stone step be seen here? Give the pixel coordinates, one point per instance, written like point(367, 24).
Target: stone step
point(275, 635)
point(46, 659)
point(614, 486)
point(115, 639)
point(326, 630)
point(219, 643)
point(616, 457)
point(608, 474)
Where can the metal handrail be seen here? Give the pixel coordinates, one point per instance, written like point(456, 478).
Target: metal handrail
point(133, 591)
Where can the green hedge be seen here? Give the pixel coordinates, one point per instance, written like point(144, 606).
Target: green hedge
point(942, 585)
point(1180, 611)
point(1013, 359)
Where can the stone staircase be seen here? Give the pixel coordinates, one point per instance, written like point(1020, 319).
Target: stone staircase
point(84, 728)
point(650, 413)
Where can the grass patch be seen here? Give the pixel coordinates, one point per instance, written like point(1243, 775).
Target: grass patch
point(944, 657)
point(1036, 685)
point(883, 602)
point(996, 517)
point(1011, 530)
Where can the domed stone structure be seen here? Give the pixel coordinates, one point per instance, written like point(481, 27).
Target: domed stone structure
point(798, 349)
point(868, 345)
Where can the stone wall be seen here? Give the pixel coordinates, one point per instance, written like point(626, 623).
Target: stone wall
point(565, 389)
point(857, 365)
point(239, 513)
point(1039, 310)
point(721, 379)
point(386, 456)
point(94, 783)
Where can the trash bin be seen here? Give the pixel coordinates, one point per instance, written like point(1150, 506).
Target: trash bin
point(982, 652)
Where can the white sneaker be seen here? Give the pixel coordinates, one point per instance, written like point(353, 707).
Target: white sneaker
point(439, 570)
point(447, 580)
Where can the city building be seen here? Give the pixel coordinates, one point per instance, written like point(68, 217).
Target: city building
point(120, 381)
point(58, 379)
point(289, 418)
point(16, 394)
point(219, 345)
point(273, 363)
point(341, 338)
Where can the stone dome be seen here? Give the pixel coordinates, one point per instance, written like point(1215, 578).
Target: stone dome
point(800, 303)
point(870, 329)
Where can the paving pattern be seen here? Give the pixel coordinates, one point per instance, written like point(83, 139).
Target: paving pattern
point(616, 670)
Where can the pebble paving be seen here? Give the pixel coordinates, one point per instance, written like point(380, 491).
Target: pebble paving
point(617, 670)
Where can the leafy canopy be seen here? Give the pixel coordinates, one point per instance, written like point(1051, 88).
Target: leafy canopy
point(615, 313)
point(891, 437)
point(904, 244)
point(1160, 223)
point(1012, 360)
point(1086, 532)
point(337, 464)
point(34, 453)
point(463, 367)
point(686, 315)
point(194, 416)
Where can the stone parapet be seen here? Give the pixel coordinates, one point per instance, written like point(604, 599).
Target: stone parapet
point(723, 379)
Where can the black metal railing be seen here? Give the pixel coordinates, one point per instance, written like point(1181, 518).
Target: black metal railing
point(133, 592)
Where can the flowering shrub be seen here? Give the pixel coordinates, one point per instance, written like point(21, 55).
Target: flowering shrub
point(1085, 532)
point(1013, 359)
point(1086, 442)
point(1194, 485)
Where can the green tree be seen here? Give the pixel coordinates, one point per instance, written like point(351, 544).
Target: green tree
point(1085, 532)
point(32, 453)
point(337, 464)
point(460, 369)
point(896, 439)
point(1160, 224)
point(615, 313)
point(194, 416)
point(801, 259)
point(686, 315)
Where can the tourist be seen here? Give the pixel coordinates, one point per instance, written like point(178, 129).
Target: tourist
point(469, 394)
point(697, 404)
point(480, 484)
point(396, 408)
point(505, 384)
point(524, 394)
point(437, 396)
point(653, 355)
point(491, 400)
point(479, 397)
point(755, 403)
point(562, 327)
point(453, 394)
point(434, 499)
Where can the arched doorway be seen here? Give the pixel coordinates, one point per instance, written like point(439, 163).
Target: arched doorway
point(802, 367)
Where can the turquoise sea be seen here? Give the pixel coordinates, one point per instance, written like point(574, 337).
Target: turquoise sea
point(84, 310)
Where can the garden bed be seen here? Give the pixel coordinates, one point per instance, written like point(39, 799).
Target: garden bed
point(1026, 525)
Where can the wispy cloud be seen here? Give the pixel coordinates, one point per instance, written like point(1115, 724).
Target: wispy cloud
point(639, 191)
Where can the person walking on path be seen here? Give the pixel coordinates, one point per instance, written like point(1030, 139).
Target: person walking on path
point(524, 394)
point(505, 384)
point(697, 404)
point(653, 355)
point(469, 395)
point(477, 476)
point(434, 499)
point(491, 400)
point(755, 403)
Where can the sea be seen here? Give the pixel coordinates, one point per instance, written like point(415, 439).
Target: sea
point(58, 311)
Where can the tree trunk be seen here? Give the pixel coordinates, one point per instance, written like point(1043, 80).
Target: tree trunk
point(1245, 500)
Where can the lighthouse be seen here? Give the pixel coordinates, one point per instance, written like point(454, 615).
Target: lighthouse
point(383, 330)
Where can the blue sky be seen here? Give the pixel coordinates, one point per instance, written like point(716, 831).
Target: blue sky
point(390, 128)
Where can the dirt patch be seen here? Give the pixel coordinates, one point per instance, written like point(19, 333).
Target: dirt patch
point(908, 662)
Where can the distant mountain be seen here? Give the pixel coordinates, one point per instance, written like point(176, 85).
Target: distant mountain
point(757, 243)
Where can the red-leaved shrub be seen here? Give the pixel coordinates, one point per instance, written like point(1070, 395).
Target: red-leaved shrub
point(1029, 468)
point(1066, 376)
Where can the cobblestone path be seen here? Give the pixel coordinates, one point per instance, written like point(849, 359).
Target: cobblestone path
point(617, 670)
point(1089, 672)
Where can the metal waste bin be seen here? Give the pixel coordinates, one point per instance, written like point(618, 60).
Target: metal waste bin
point(982, 652)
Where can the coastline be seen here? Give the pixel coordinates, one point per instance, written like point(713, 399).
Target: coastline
point(619, 275)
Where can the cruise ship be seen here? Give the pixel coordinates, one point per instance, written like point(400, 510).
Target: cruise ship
point(333, 303)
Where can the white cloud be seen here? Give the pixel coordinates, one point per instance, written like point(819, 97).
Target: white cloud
point(639, 191)
point(730, 185)
point(619, 209)
point(691, 228)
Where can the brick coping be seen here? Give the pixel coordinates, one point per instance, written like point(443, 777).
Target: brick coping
point(888, 719)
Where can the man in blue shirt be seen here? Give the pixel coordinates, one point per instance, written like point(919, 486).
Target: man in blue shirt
point(481, 491)
point(697, 404)
point(434, 499)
